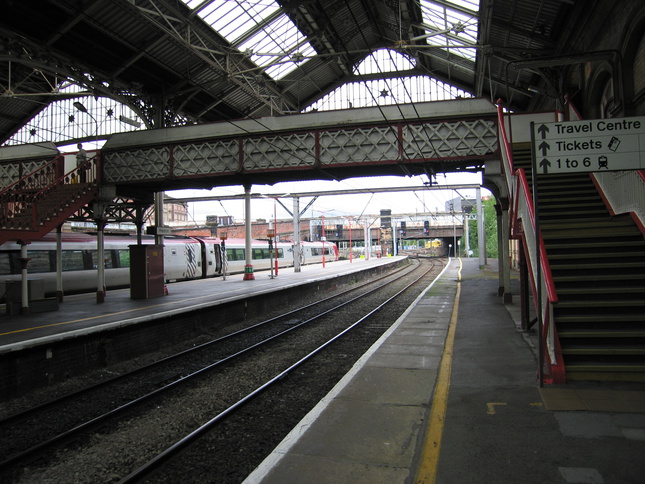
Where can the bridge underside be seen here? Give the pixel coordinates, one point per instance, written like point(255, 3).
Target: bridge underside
point(425, 138)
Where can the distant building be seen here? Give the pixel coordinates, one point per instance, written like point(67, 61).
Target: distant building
point(219, 221)
point(175, 213)
point(459, 204)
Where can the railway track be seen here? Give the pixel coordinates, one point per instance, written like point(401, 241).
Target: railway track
point(227, 373)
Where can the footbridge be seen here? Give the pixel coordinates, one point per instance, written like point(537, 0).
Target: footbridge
point(37, 195)
point(412, 139)
point(409, 139)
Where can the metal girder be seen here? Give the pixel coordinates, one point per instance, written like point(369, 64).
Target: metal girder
point(319, 144)
point(231, 65)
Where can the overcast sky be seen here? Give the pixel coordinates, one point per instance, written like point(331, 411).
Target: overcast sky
point(337, 205)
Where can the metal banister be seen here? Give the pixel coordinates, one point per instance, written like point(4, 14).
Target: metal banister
point(523, 226)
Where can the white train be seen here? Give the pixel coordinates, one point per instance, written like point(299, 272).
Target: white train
point(184, 258)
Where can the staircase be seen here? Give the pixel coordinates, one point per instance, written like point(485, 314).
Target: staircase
point(38, 203)
point(598, 266)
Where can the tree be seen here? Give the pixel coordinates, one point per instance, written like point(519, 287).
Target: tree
point(490, 228)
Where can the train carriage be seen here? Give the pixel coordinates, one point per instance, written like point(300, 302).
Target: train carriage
point(185, 258)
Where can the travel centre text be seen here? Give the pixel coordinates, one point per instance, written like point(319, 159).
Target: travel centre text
point(600, 126)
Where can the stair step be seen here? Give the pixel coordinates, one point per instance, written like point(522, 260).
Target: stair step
point(592, 366)
point(579, 188)
point(603, 350)
point(596, 278)
point(593, 291)
point(600, 255)
point(602, 223)
point(602, 318)
point(585, 233)
point(602, 333)
point(581, 213)
point(601, 303)
point(571, 199)
point(598, 266)
point(600, 244)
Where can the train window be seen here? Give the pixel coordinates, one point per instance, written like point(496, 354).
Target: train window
point(235, 254)
point(5, 264)
point(124, 257)
point(40, 261)
point(107, 259)
point(73, 260)
point(266, 253)
point(9, 263)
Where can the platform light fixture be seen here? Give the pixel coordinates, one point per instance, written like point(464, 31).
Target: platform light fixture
point(79, 105)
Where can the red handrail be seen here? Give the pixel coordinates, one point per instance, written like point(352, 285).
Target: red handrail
point(521, 191)
point(15, 201)
point(33, 175)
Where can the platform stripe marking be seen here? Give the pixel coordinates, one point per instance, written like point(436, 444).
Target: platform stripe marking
point(121, 312)
point(427, 472)
point(108, 314)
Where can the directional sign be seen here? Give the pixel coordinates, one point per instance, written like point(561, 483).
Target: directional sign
point(594, 145)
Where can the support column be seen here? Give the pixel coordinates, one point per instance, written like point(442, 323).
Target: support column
point(481, 233)
point(248, 267)
point(524, 291)
point(159, 217)
point(368, 240)
point(506, 266)
point(59, 264)
point(139, 211)
point(24, 260)
point(296, 234)
point(504, 271)
point(467, 235)
point(100, 261)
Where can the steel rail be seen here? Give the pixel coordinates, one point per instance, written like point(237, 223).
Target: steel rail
point(155, 463)
point(31, 412)
point(75, 432)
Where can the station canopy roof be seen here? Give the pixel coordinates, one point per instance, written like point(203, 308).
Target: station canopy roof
point(196, 61)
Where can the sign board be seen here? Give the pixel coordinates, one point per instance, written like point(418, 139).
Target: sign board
point(154, 230)
point(592, 145)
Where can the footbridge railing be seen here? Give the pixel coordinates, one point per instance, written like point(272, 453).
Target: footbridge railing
point(401, 140)
point(40, 201)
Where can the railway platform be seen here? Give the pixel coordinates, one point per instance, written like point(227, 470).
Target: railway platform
point(80, 314)
point(450, 395)
point(38, 350)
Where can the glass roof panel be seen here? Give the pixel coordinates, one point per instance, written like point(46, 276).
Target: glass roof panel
point(277, 46)
point(384, 60)
point(234, 18)
point(452, 26)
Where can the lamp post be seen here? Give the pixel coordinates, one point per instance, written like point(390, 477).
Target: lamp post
point(223, 238)
point(81, 107)
point(351, 249)
point(275, 236)
point(323, 238)
point(100, 223)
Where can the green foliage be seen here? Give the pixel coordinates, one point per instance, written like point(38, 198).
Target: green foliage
point(490, 227)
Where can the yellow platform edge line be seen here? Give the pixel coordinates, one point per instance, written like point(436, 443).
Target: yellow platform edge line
point(427, 472)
